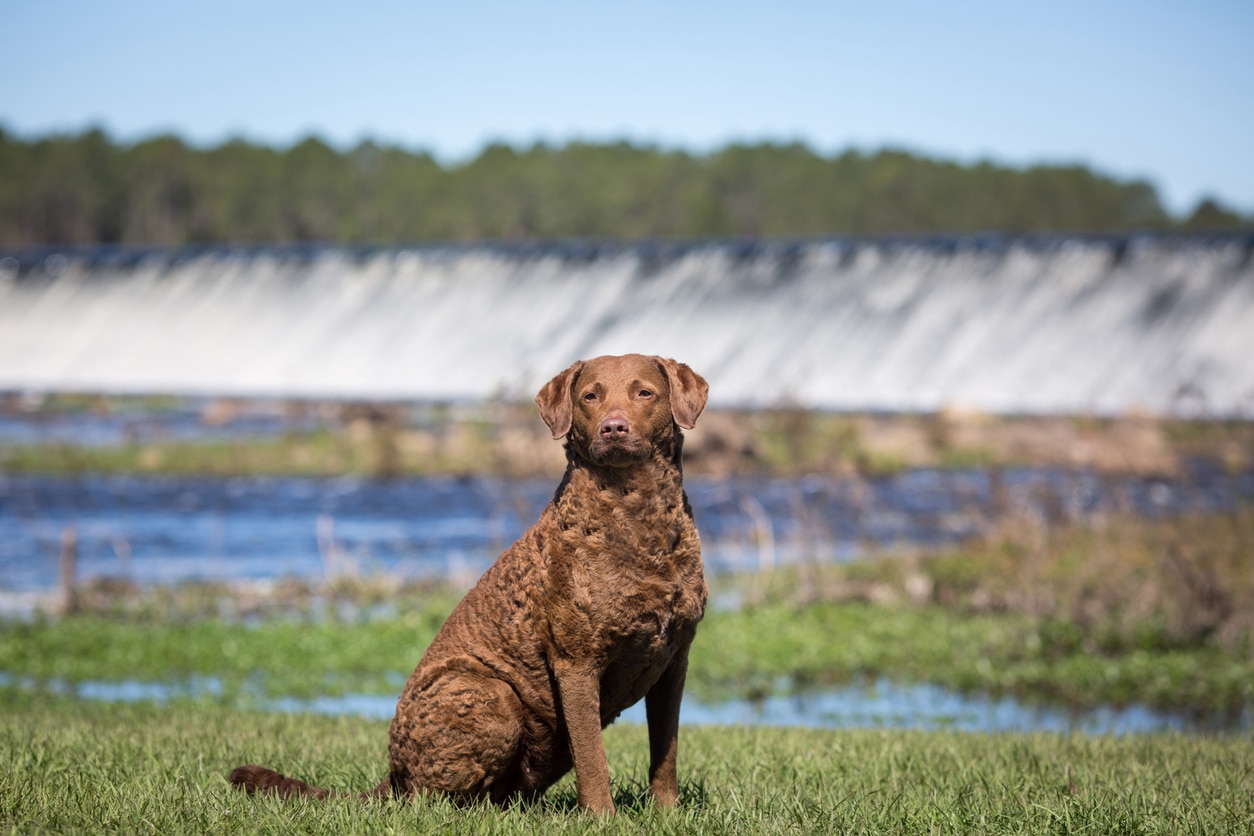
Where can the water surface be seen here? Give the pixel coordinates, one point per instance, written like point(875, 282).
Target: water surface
point(876, 704)
point(172, 529)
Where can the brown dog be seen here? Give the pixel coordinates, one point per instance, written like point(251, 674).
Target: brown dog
point(592, 609)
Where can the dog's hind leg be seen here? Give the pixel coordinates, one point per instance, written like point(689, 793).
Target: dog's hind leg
point(460, 734)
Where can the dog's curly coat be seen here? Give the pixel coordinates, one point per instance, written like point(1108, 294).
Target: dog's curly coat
point(592, 609)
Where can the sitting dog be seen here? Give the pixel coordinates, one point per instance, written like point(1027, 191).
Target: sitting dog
point(592, 609)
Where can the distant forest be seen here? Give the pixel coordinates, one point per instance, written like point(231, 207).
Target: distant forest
point(90, 189)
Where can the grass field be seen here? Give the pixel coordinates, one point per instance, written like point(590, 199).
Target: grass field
point(141, 769)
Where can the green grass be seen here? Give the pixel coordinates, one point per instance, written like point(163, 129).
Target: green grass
point(67, 767)
point(992, 653)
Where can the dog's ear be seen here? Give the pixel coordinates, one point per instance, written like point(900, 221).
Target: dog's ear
point(554, 400)
point(688, 391)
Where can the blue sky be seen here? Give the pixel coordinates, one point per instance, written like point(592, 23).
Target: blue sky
point(1163, 91)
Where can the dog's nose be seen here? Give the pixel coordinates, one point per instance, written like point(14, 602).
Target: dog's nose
point(614, 426)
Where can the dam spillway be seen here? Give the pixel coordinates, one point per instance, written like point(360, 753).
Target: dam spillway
point(1162, 324)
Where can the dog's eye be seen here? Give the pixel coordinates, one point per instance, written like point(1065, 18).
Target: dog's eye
point(645, 393)
point(589, 396)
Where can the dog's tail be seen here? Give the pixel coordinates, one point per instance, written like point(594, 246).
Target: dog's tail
point(252, 778)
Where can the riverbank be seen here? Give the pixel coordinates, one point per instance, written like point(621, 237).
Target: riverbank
point(218, 437)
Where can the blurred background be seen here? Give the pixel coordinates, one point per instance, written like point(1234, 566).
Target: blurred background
point(278, 283)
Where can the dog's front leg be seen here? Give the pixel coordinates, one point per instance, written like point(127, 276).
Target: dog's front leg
point(662, 710)
point(580, 692)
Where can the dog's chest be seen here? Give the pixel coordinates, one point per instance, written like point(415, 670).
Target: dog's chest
point(649, 612)
point(641, 637)
point(647, 583)
point(625, 574)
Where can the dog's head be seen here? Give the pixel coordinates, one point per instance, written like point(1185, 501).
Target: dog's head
point(617, 410)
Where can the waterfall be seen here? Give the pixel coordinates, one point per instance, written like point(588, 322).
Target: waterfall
point(1065, 324)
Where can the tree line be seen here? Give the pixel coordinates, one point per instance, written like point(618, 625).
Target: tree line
point(89, 189)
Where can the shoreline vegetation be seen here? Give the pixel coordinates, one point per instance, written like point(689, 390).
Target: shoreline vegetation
point(504, 438)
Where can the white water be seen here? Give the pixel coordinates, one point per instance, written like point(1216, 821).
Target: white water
point(1067, 325)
